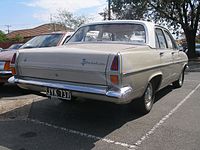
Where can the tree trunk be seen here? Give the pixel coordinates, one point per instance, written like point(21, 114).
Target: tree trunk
point(190, 35)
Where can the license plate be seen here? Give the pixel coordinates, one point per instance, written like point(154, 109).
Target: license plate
point(58, 93)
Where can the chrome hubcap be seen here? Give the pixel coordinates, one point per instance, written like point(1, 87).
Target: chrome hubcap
point(149, 96)
point(181, 79)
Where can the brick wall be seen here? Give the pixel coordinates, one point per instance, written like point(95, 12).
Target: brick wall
point(7, 44)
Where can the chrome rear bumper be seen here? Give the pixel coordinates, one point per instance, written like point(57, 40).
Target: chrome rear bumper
point(116, 95)
point(5, 73)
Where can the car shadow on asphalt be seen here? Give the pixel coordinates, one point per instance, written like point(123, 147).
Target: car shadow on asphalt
point(86, 116)
point(11, 90)
point(163, 92)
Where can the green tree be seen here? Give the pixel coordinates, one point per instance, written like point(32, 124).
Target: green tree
point(3, 37)
point(129, 9)
point(69, 20)
point(17, 38)
point(174, 13)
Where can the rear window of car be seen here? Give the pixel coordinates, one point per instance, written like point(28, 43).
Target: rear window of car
point(161, 39)
point(15, 46)
point(128, 33)
point(47, 40)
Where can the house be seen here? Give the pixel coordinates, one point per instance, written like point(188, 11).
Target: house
point(45, 28)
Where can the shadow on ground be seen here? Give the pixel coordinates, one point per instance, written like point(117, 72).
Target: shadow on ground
point(11, 90)
point(87, 116)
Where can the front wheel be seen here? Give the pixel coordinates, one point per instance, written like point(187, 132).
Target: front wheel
point(179, 83)
point(145, 103)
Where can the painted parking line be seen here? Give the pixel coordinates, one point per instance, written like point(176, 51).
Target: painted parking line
point(157, 125)
point(128, 146)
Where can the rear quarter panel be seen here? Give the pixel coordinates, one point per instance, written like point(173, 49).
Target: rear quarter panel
point(138, 67)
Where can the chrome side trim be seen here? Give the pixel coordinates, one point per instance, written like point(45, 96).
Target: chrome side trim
point(121, 93)
point(152, 67)
point(5, 72)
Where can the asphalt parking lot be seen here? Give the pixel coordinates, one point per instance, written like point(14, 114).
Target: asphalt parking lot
point(30, 122)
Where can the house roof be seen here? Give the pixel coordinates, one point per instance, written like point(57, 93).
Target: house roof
point(45, 28)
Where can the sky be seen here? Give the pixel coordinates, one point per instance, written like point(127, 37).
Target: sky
point(22, 14)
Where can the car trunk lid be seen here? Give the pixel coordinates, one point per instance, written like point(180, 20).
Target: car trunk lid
point(80, 63)
point(68, 64)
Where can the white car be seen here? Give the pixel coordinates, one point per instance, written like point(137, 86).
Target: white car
point(115, 61)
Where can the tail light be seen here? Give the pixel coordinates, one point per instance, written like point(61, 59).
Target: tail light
point(13, 59)
point(115, 63)
point(12, 64)
point(114, 78)
point(7, 66)
point(13, 71)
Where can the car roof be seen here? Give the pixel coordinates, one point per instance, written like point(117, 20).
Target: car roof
point(121, 21)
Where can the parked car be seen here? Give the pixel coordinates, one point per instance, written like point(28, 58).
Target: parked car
point(197, 49)
point(115, 61)
point(1, 49)
point(3, 66)
point(5, 70)
point(47, 40)
point(44, 40)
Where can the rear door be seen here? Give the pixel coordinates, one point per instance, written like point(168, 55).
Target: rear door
point(166, 57)
point(177, 66)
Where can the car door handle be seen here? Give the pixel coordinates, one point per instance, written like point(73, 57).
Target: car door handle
point(161, 53)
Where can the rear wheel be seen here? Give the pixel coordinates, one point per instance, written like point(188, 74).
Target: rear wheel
point(178, 83)
point(145, 103)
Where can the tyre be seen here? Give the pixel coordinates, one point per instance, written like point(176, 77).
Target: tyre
point(178, 83)
point(145, 103)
